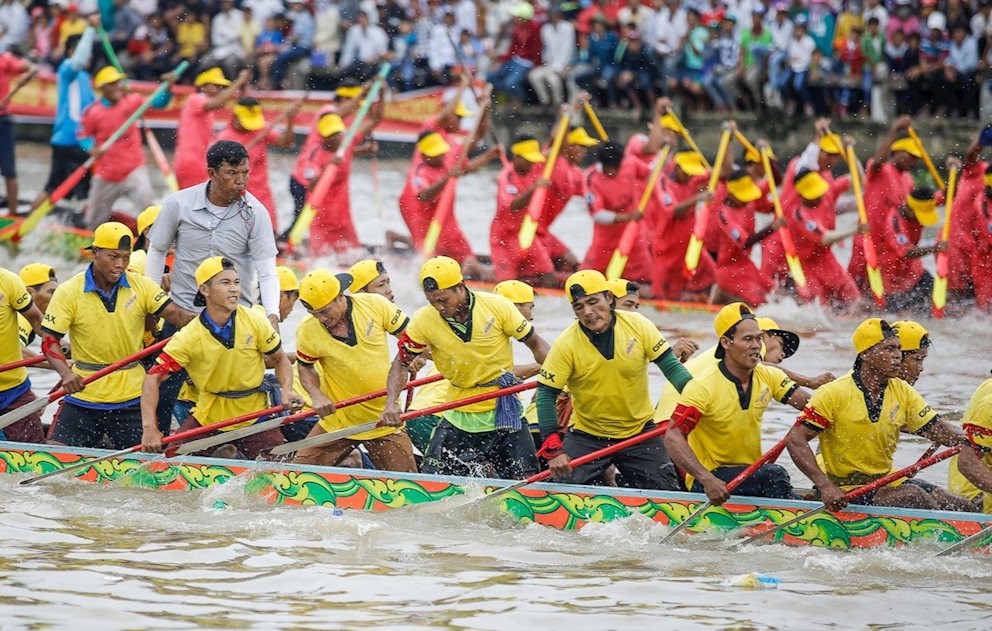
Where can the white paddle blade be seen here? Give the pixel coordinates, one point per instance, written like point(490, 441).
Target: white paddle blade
point(227, 437)
point(23, 412)
point(323, 439)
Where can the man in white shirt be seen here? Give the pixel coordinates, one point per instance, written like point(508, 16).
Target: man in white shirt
point(225, 37)
point(557, 54)
point(441, 55)
point(666, 37)
point(798, 56)
point(365, 45)
point(13, 24)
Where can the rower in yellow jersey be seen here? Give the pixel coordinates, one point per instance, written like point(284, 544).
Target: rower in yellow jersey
point(716, 425)
point(370, 276)
point(975, 464)
point(103, 311)
point(346, 336)
point(469, 335)
point(15, 387)
point(602, 358)
point(39, 278)
point(858, 419)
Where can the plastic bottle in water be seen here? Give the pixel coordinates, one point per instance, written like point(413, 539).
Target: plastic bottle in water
point(752, 580)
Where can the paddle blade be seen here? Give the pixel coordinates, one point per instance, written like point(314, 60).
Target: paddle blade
point(32, 220)
point(172, 182)
point(692, 254)
point(22, 412)
point(796, 270)
point(433, 234)
point(528, 230)
point(302, 225)
point(939, 296)
point(877, 287)
point(617, 264)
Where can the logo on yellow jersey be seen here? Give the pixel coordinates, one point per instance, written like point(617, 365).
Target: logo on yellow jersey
point(250, 340)
point(489, 325)
point(630, 346)
point(368, 328)
point(130, 301)
point(894, 412)
point(765, 393)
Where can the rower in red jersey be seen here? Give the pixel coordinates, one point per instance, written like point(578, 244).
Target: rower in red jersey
point(907, 285)
point(966, 223)
point(516, 185)
point(981, 264)
point(448, 122)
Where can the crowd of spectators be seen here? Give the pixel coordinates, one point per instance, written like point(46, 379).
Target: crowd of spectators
point(807, 56)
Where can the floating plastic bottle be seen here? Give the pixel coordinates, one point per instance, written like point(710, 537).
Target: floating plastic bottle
point(752, 580)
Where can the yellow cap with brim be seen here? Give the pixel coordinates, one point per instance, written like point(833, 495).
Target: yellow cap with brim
point(925, 210)
point(320, 287)
point(364, 272)
point(743, 188)
point(515, 291)
point(433, 145)
point(812, 186)
point(137, 263)
point(579, 136)
point(585, 283)
point(988, 180)
point(287, 279)
point(871, 332)
point(34, 274)
point(147, 218)
point(908, 145)
point(461, 111)
point(690, 162)
point(214, 76)
point(348, 91)
point(440, 272)
point(830, 144)
point(529, 150)
point(669, 121)
point(729, 316)
point(621, 287)
point(912, 335)
point(754, 157)
point(112, 235)
point(250, 117)
point(106, 76)
point(330, 124)
point(790, 341)
point(208, 269)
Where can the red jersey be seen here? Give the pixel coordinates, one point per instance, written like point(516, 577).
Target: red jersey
point(669, 240)
point(898, 236)
point(509, 261)
point(10, 67)
point(885, 190)
point(965, 222)
point(418, 214)
point(618, 194)
point(193, 138)
point(736, 273)
point(99, 121)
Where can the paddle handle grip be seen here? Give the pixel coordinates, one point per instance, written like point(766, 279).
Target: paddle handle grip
point(29, 361)
point(911, 470)
point(770, 456)
point(103, 372)
point(485, 396)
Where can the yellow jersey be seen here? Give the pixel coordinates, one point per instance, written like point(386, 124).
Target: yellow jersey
point(216, 366)
point(354, 365)
point(478, 354)
point(25, 334)
point(857, 444)
point(728, 432)
point(14, 298)
point(105, 329)
point(670, 396)
point(610, 395)
point(430, 394)
point(978, 428)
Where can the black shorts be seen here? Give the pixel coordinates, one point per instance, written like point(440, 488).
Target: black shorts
point(65, 160)
point(501, 453)
point(82, 427)
point(642, 466)
point(770, 480)
point(8, 166)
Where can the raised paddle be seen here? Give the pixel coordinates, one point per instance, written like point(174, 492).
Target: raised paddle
point(258, 428)
point(931, 167)
point(28, 361)
point(40, 211)
point(160, 160)
point(791, 257)
point(40, 404)
point(345, 432)
point(909, 471)
point(197, 431)
point(687, 137)
point(769, 456)
point(528, 229)
point(594, 120)
point(283, 116)
point(321, 189)
point(695, 249)
point(618, 261)
point(940, 280)
point(966, 542)
point(871, 257)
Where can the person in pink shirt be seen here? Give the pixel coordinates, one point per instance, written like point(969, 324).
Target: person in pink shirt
point(196, 123)
point(120, 170)
point(11, 66)
point(248, 127)
point(567, 181)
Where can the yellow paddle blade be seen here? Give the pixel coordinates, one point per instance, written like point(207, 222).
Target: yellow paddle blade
point(302, 225)
point(172, 182)
point(34, 218)
point(940, 292)
point(617, 264)
point(433, 234)
point(875, 282)
point(796, 269)
point(528, 230)
point(693, 252)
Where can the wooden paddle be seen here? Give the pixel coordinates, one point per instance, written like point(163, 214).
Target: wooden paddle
point(345, 432)
point(791, 257)
point(40, 211)
point(909, 471)
point(40, 404)
point(687, 137)
point(160, 160)
point(594, 121)
point(321, 189)
point(966, 542)
point(931, 167)
point(940, 281)
point(528, 229)
point(695, 249)
point(871, 257)
point(258, 428)
point(618, 261)
point(29, 361)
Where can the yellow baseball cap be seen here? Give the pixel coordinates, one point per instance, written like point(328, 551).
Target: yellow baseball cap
point(621, 287)
point(211, 267)
point(440, 272)
point(921, 201)
point(690, 162)
point(515, 291)
point(753, 155)
point(585, 283)
point(433, 145)
point(790, 341)
point(112, 235)
point(364, 272)
point(579, 136)
point(214, 76)
point(250, 116)
point(320, 287)
point(871, 332)
point(988, 179)
point(529, 150)
point(348, 91)
point(461, 111)
point(34, 274)
point(908, 145)
point(669, 121)
point(810, 185)
point(830, 143)
point(912, 335)
point(742, 187)
point(330, 124)
point(137, 263)
point(287, 279)
point(729, 316)
point(147, 218)
point(106, 76)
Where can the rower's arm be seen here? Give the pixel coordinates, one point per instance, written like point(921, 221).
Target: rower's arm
point(547, 411)
point(971, 465)
point(151, 437)
point(943, 433)
point(797, 442)
point(521, 201)
point(798, 399)
point(683, 420)
point(176, 315)
point(537, 346)
point(284, 373)
point(806, 382)
point(34, 316)
point(221, 98)
point(673, 369)
point(526, 371)
point(399, 374)
point(310, 381)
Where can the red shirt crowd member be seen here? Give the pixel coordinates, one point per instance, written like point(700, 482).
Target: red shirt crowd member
point(516, 185)
point(981, 264)
point(567, 181)
point(248, 128)
point(907, 285)
point(682, 188)
point(197, 120)
point(613, 190)
point(737, 277)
